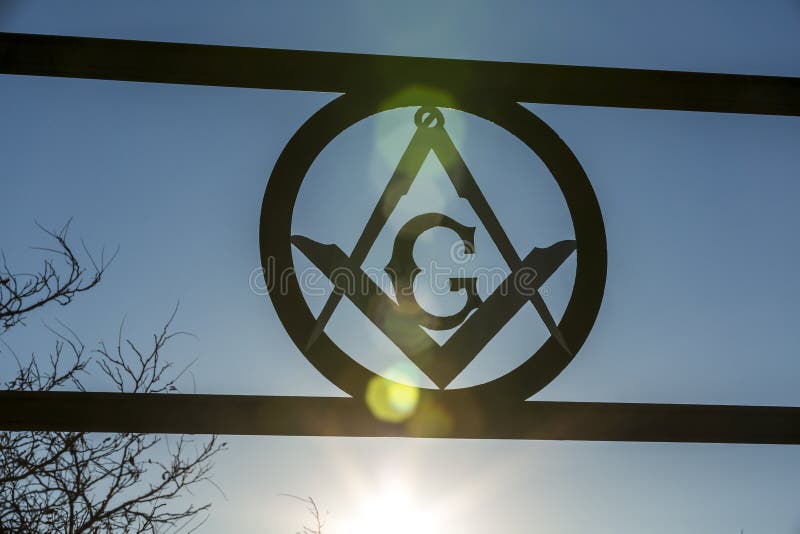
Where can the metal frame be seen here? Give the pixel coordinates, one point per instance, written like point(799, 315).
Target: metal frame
point(140, 61)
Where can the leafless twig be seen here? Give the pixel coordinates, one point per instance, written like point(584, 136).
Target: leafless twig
point(74, 482)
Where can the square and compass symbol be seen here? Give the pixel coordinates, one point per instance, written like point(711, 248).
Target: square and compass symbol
point(402, 319)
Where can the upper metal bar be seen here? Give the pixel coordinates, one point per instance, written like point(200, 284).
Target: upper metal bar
point(265, 68)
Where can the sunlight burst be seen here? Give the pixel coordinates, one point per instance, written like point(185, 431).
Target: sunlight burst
point(391, 510)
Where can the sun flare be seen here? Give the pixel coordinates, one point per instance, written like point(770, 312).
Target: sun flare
point(392, 510)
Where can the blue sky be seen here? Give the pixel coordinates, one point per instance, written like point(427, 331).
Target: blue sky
point(699, 210)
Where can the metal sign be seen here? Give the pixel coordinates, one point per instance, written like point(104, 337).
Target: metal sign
point(401, 322)
point(492, 91)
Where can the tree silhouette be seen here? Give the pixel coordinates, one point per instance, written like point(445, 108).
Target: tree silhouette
point(313, 510)
point(76, 482)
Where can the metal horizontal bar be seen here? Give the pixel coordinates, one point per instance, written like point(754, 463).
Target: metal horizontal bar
point(321, 416)
point(146, 61)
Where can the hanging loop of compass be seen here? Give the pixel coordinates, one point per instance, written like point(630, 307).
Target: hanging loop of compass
point(403, 320)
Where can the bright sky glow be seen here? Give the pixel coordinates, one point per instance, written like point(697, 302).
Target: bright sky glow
point(392, 509)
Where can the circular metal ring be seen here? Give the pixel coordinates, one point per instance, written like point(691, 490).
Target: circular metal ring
point(309, 141)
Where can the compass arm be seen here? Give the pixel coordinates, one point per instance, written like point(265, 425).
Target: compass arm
point(398, 186)
point(467, 188)
point(407, 168)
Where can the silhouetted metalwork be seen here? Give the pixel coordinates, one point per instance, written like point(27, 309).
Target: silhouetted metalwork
point(326, 416)
point(491, 90)
point(259, 68)
point(440, 364)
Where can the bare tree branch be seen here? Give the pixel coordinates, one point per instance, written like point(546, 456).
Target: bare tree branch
point(61, 277)
point(313, 510)
point(74, 482)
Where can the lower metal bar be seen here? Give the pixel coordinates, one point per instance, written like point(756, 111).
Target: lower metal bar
point(434, 418)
